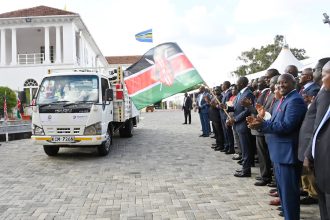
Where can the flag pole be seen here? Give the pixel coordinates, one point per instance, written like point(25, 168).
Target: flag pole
point(6, 118)
point(216, 98)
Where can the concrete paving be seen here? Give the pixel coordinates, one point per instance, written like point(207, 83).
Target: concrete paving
point(165, 171)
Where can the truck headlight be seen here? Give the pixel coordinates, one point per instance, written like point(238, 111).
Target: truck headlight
point(38, 130)
point(94, 129)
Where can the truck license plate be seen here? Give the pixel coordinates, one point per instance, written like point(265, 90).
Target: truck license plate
point(63, 139)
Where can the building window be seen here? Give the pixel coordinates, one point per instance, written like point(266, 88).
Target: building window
point(30, 89)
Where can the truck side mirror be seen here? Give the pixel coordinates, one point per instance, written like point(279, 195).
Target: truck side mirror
point(108, 94)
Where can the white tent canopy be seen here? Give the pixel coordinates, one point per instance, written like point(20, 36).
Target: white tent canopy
point(284, 59)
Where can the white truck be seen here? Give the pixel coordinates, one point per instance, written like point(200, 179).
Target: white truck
point(82, 107)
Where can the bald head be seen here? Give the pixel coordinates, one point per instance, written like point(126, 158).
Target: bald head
point(225, 85)
point(292, 69)
point(306, 76)
point(262, 84)
point(317, 74)
point(326, 67)
point(270, 74)
point(273, 82)
point(242, 82)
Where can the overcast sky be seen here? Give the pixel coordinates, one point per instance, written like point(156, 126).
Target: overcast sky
point(212, 33)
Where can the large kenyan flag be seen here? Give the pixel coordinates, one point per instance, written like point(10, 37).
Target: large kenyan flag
point(162, 72)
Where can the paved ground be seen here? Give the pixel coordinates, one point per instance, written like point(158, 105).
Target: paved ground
point(164, 172)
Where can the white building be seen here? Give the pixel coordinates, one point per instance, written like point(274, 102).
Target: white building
point(36, 39)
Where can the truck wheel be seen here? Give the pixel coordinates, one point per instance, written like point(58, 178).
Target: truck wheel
point(51, 150)
point(127, 130)
point(104, 148)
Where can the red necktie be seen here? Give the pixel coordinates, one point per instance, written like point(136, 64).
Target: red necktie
point(301, 90)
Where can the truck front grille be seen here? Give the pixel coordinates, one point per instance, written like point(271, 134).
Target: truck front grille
point(62, 131)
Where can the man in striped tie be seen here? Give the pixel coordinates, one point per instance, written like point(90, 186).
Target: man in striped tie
point(318, 154)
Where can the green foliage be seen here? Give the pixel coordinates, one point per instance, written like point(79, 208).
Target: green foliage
point(10, 99)
point(257, 60)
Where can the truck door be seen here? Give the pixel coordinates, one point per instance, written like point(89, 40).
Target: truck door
point(108, 105)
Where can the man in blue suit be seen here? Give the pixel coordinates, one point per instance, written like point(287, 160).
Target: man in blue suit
point(203, 110)
point(282, 132)
point(239, 123)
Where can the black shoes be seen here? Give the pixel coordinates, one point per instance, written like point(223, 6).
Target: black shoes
point(184, 123)
point(203, 135)
point(240, 174)
point(273, 190)
point(307, 200)
point(218, 149)
point(303, 193)
point(237, 157)
point(272, 184)
point(258, 178)
point(230, 152)
point(261, 183)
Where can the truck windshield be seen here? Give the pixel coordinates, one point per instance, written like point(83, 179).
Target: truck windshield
point(68, 89)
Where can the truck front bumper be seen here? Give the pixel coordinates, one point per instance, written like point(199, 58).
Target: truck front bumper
point(76, 140)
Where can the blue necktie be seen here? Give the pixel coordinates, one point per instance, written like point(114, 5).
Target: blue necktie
point(237, 98)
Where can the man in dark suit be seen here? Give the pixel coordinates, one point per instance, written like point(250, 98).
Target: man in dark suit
point(318, 154)
point(317, 71)
point(240, 125)
point(270, 74)
point(186, 107)
point(227, 131)
point(214, 116)
point(293, 70)
point(281, 133)
point(262, 148)
point(203, 110)
point(309, 89)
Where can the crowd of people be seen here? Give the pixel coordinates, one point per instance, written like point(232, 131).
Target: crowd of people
point(281, 121)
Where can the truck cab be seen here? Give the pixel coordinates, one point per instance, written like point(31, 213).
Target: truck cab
point(73, 109)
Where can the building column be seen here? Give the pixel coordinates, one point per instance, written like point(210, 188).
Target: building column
point(3, 47)
point(69, 44)
point(13, 47)
point(47, 60)
point(58, 45)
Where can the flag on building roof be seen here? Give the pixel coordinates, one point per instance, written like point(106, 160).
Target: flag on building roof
point(5, 113)
point(162, 72)
point(144, 36)
point(19, 116)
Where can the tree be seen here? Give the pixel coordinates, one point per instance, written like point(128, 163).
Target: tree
point(11, 99)
point(257, 60)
